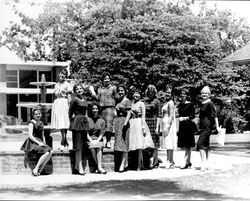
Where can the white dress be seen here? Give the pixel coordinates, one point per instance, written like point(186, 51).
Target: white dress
point(60, 107)
point(169, 132)
point(136, 138)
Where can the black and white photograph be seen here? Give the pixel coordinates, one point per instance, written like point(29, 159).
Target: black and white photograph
point(124, 100)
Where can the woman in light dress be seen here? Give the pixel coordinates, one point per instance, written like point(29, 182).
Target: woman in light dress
point(169, 128)
point(60, 108)
point(139, 134)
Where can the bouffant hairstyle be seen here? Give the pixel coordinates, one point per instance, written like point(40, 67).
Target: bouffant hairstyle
point(36, 109)
point(76, 85)
point(151, 88)
point(64, 71)
point(105, 74)
point(91, 106)
point(122, 86)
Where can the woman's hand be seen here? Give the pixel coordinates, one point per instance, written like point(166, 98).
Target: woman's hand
point(41, 144)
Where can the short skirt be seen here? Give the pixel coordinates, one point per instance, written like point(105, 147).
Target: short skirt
point(31, 147)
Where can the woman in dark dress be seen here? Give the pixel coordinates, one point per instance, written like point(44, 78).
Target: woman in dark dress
point(187, 127)
point(79, 126)
point(35, 144)
point(153, 112)
point(207, 122)
point(95, 136)
point(123, 105)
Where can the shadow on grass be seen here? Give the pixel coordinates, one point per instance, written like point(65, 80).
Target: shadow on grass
point(128, 189)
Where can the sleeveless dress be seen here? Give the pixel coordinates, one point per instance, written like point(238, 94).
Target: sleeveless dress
point(60, 107)
point(121, 135)
point(169, 134)
point(136, 138)
point(30, 146)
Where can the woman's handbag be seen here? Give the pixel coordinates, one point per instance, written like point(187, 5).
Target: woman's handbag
point(221, 136)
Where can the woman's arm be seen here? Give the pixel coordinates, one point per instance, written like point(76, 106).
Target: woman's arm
point(102, 131)
point(143, 114)
point(171, 110)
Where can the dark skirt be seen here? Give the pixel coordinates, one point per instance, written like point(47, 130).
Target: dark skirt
point(121, 135)
point(31, 147)
point(203, 142)
point(151, 122)
point(80, 123)
point(186, 134)
point(79, 140)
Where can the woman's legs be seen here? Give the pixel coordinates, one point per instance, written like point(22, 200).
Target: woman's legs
point(203, 159)
point(154, 159)
point(187, 156)
point(170, 158)
point(140, 159)
point(40, 162)
point(45, 161)
point(99, 160)
point(207, 158)
point(64, 142)
point(79, 162)
point(124, 162)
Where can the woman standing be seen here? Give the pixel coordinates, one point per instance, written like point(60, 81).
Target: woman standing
point(60, 108)
point(153, 111)
point(95, 136)
point(35, 142)
point(139, 133)
point(169, 128)
point(207, 121)
point(187, 127)
point(106, 96)
point(121, 130)
point(79, 126)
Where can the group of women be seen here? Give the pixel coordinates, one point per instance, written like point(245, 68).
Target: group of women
point(136, 122)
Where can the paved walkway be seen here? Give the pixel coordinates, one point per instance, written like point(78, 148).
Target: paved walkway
point(133, 184)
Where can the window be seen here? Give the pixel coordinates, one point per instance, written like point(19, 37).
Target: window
point(11, 78)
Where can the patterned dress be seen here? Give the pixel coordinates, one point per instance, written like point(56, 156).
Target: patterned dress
point(136, 138)
point(60, 107)
point(106, 97)
point(153, 112)
point(79, 123)
point(207, 123)
point(121, 134)
point(31, 147)
point(187, 128)
point(169, 127)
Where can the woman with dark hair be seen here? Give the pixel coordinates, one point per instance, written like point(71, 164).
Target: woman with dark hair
point(35, 144)
point(153, 112)
point(60, 108)
point(106, 95)
point(80, 127)
point(139, 133)
point(207, 122)
point(187, 127)
point(169, 128)
point(123, 105)
point(95, 136)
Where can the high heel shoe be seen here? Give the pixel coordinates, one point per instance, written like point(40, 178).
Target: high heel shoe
point(35, 174)
point(102, 172)
point(186, 166)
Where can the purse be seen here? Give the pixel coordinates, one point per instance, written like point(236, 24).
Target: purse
point(221, 136)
